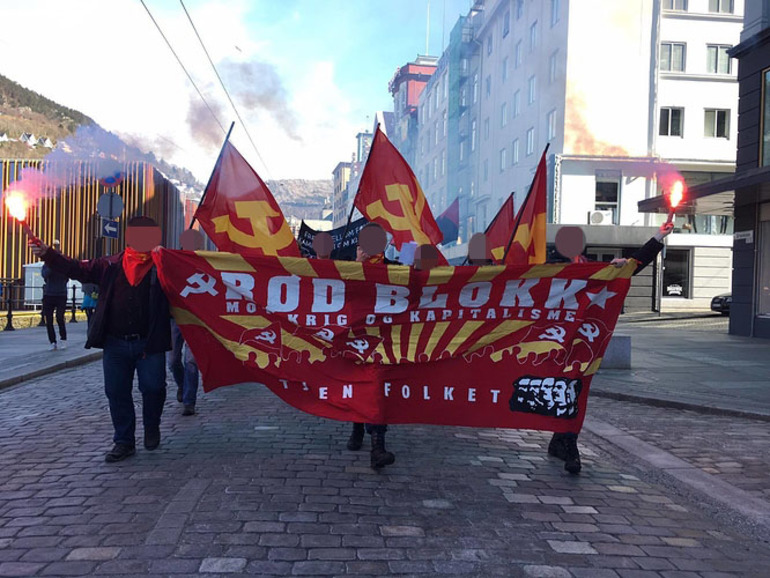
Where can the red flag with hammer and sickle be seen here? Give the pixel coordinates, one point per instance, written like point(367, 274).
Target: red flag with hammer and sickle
point(238, 212)
point(528, 244)
point(390, 196)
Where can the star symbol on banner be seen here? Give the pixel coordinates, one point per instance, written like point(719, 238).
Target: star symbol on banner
point(601, 297)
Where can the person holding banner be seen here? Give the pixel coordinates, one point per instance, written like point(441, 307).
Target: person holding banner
point(371, 249)
point(570, 243)
point(131, 325)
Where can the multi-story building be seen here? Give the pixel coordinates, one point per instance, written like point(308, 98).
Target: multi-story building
point(622, 92)
point(346, 177)
point(340, 179)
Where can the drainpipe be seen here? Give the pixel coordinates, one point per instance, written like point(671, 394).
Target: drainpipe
point(653, 98)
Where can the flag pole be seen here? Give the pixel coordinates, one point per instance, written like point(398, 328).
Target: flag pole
point(489, 226)
point(353, 206)
point(518, 217)
point(216, 167)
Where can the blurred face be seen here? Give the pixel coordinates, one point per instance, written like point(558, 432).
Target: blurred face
point(425, 257)
point(323, 245)
point(570, 241)
point(143, 239)
point(478, 252)
point(372, 240)
point(191, 240)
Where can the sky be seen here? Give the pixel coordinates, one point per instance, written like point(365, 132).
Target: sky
point(305, 75)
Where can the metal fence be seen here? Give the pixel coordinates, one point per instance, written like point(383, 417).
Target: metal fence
point(17, 297)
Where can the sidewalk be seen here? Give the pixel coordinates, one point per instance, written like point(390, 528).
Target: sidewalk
point(24, 353)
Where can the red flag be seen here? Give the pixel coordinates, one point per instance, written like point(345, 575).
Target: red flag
point(499, 231)
point(528, 242)
point(449, 222)
point(390, 196)
point(238, 212)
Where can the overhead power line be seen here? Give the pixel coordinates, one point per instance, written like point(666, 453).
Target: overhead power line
point(222, 84)
point(189, 77)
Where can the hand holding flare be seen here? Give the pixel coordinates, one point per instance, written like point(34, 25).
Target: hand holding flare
point(675, 196)
point(17, 205)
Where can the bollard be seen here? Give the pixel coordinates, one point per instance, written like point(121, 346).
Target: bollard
point(74, 306)
point(9, 325)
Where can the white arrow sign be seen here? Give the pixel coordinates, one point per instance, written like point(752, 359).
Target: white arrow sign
point(109, 229)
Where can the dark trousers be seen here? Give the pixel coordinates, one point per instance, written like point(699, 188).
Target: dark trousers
point(121, 359)
point(59, 304)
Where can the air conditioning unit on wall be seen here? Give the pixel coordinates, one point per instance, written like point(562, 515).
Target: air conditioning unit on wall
point(600, 217)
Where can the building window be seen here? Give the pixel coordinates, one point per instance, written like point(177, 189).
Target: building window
point(503, 114)
point(486, 128)
point(435, 169)
point(463, 97)
point(473, 135)
point(519, 9)
point(555, 8)
point(723, 6)
point(608, 194)
point(531, 90)
point(462, 150)
point(488, 85)
point(530, 141)
point(671, 121)
point(444, 123)
point(763, 290)
point(435, 132)
point(489, 44)
point(517, 55)
point(503, 159)
point(718, 61)
point(551, 125)
point(716, 123)
point(475, 88)
point(680, 5)
point(766, 120)
point(515, 152)
point(486, 170)
point(516, 103)
point(676, 273)
point(533, 36)
point(506, 23)
point(672, 57)
point(505, 69)
point(552, 67)
point(443, 162)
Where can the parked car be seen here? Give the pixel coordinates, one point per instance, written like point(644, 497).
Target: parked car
point(721, 303)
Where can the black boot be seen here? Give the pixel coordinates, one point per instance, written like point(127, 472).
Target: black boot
point(380, 457)
point(556, 446)
point(356, 439)
point(572, 454)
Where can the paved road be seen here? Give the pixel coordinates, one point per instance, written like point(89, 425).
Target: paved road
point(252, 486)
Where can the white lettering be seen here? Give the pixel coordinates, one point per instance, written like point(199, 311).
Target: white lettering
point(517, 292)
point(448, 393)
point(471, 394)
point(283, 294)
point(405, 391)
point(430, 299)
point(251, 307)
point(239, 286)
point(387, 388)
point(475, 294)
point(425, 394)
point(391, 299)
point(233, 306)
point(322, 392)
point(328, 295)
point(347, 391)
point(563, 291)
point(495, 393)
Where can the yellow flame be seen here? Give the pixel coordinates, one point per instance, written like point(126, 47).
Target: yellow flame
point(677, 192)
point(17, 206)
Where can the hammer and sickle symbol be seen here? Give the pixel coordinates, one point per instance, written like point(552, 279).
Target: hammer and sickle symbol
point(199, 283)
point(590, 331)
point(325, 333)
point(267, 335)
point(359, 345)
point(554, 334)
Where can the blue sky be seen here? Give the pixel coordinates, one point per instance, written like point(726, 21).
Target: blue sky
point(306, 75)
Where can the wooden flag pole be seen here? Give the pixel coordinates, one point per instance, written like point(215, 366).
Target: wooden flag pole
point(216, 168)
point(353, 206)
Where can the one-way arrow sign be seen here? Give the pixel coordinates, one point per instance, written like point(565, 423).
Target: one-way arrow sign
point(109, 229)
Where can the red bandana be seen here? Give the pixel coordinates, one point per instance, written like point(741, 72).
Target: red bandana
point(136, 265)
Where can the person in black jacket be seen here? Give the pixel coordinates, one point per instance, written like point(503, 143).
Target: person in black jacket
point(54, 300)
point(570, 243)
point(131, 325)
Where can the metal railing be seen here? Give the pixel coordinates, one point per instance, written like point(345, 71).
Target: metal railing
point(14, 299)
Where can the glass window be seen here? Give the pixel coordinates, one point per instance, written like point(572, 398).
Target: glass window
point(533, 36)
point(505, 69)
point(724, 6)
point(716, 123)
point(489, 44)
point(763, 292)
point(672, 57)
point(671, 120)
point(531, 90)
point(718, 61)
point(518, 55)
point(675, 5)
point(475, 88)
point(516, 103)
point(486, 128)
point(552, 67)
point(555, 7)
point(488, 85)
point(515, 152)
point(503, 158)
point(506, 23)
point(530, 141)
point(607, 196)
point(473, 135)
point(676, 273)
point(766, 119)
point(486, 170)
point(519, 9)
point(551, 124)
point(503, 114)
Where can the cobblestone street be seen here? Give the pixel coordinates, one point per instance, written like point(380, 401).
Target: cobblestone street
point(252, 486)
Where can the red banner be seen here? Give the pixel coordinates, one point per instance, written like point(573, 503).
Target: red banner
point(496, 346)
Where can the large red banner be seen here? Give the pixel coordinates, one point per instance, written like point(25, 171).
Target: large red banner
point(494, 346)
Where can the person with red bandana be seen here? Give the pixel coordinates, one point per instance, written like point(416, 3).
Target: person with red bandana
point(131, 325)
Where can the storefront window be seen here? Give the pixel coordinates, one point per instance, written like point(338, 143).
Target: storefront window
point(676, 273)
point(763, 291)
point(766, 119)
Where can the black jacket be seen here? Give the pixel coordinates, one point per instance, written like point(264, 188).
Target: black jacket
point(646, 253)
point(103, 272)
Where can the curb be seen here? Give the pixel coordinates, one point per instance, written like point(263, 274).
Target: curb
point(77, 361)
point(658, 402)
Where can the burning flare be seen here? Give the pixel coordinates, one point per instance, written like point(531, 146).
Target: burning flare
point(676, 195)
point(17, 205)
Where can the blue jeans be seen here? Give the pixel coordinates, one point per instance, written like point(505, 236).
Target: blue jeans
point(121, 359)
point(190, 386)
point(174, 357)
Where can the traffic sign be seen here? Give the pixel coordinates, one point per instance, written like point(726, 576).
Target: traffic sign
point(109, 229)
point(109, 205)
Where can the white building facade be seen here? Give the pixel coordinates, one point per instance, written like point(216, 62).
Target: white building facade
point(621, 91)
